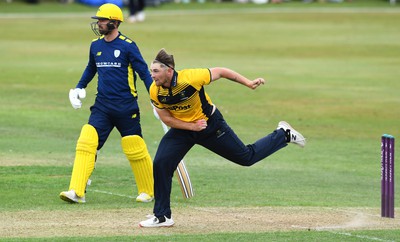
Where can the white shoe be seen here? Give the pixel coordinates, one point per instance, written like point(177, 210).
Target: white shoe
point(132, 19)
point(293, 136)
point(140, 16)
point(144, 198)
point(71, 197)
point(155, 222)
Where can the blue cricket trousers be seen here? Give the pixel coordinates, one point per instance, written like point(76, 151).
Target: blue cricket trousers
point(219, 138)
point(122, 114)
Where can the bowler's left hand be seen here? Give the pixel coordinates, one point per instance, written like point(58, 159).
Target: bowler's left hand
point(256, 83)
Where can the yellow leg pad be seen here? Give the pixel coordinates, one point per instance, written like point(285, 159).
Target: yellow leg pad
point(139, 158)
point(85, 156)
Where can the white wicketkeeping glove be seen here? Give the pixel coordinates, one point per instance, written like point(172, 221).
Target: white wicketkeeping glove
point(75, 95)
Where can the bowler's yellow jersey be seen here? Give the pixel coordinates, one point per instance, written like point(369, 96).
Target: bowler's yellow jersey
point(185, 99)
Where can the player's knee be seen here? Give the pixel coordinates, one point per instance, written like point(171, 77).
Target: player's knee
point(134, 147)
point(88, 139)
point(244, 161)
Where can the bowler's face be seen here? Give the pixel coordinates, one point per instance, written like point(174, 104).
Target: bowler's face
point(159, 74)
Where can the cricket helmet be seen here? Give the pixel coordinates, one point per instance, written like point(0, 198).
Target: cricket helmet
point(109, 11)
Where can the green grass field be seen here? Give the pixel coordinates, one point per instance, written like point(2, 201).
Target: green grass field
point(332, 71)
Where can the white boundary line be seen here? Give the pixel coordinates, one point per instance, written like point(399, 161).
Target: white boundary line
point(218, 11)
point(110, 193)
point(326, 229)
point(275, 10)
point(358, 236)
point(330, 229)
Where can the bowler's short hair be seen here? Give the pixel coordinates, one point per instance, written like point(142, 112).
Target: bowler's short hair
point(164, 58)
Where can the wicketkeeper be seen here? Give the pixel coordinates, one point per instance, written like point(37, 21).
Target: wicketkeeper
point(116, 59)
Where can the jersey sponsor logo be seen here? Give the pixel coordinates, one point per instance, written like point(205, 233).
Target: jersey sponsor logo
point(117, 53)
point(179, 108)
point(98, 53)
point(108, 64)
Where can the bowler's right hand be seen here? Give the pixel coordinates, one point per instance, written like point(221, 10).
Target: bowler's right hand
point(199, 125)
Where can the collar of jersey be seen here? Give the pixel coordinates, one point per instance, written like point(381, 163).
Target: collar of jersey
point(174, 80)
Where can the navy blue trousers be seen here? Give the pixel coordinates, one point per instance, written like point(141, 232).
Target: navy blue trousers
point(219, 138)
point(106, 115)
point(136, 6)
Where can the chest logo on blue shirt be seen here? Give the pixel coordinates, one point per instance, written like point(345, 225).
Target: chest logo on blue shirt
point(117, 53)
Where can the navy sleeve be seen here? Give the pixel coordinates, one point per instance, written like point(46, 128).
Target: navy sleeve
point(89, 72)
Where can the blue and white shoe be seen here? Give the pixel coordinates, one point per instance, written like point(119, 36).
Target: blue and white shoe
point(292, 135)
